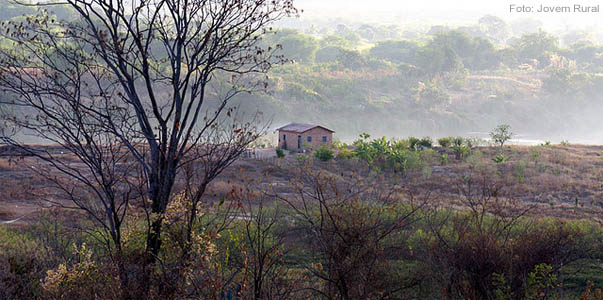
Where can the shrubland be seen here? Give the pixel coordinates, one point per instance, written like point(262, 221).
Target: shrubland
point(382, 220)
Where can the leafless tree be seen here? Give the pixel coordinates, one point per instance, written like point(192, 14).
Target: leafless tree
point(265, 245)
point(472, 243)
point(355, 228)
point(127, 88)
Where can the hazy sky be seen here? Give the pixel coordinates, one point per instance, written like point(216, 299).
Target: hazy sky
point(451, 11)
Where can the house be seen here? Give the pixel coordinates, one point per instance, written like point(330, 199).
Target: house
point(297, 136)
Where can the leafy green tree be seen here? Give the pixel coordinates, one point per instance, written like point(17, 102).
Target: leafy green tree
point(350, 59)
point(445, 142)
point(435, 60)
point(535, 45)
point(501, 134)
point(474, 52)
point(334, 40)
point(396, 51)
point(299, 47)
point(328, 54)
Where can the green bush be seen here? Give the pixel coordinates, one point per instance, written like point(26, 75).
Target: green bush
point(22, 265)
point(460, 151)
point(346, 154)
point(324, 153)
point(426, 142)
point(458, 141)
point(445, 141)
point(279, 152)
point(413, 142)
point(500, 158)
point(443, 159)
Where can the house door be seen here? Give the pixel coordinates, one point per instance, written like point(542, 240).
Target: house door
point(299, 142)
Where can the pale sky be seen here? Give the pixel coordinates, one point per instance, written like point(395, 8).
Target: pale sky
point(452, 12)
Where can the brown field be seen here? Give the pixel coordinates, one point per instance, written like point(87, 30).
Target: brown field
point(560, 181)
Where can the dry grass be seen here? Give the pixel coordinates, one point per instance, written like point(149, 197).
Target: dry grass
point(563, 181)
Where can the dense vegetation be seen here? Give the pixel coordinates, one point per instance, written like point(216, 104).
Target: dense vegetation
point(446, 81)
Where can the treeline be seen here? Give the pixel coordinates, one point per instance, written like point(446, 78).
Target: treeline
point(449, 81)
point(443, 50)
point(428, 82)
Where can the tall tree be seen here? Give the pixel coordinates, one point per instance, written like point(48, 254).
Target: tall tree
point(126, 88)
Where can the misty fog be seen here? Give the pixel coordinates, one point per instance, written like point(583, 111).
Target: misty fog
point(433, 68)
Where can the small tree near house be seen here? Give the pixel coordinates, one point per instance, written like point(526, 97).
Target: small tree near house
point(501, 134)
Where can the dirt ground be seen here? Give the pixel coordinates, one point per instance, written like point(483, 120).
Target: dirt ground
point(561, 181)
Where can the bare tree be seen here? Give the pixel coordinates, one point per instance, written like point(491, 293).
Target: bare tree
point(265, 245)
point(354, 227)
point(127, 88)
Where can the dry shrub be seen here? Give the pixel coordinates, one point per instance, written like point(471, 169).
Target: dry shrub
point(352, 235)
point(468, 249)
point(87, 279)
point(21, 265)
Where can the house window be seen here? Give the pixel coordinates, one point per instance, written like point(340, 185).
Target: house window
point(309, 139)
point(284, 137)
point(324, 139)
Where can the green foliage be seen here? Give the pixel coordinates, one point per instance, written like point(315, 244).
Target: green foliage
point(494, 27)
point(351, 59)
point(426, 142)
point(296, 46)
point(445, 141)
point(501, 134)
point(280, 153)
point(10, 10)
point(499, 158)
point(398, 155)
point(346, 154)
point(413, 142)
point(474, 142)
point(535, 45)
point(519, 169)
point(475, 160)
point(460, 151)
point(397, 51)
point(443, 159)
point(22, 265)
point(502, 288)
point(432, 94)
point(329, 54)
point(542, 283)
point(450, 51)
point(324, 152)
point(302, 158)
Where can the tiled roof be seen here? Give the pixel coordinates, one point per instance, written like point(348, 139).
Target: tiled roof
point(299, 127)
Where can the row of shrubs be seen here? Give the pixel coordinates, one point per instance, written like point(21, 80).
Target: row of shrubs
point(323, 152)
point(399, 155)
